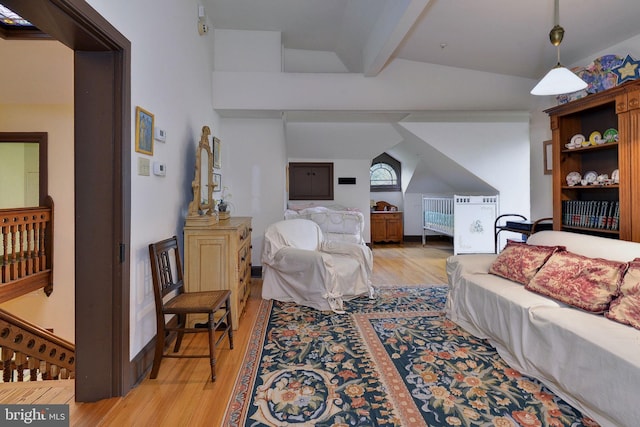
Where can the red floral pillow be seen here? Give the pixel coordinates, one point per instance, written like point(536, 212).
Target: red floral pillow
point(520, 262)
point(626, 308)
point(586, 283)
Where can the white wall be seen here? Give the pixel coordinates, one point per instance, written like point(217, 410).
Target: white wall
point(171, 78)
point(247, 50)
point(254, 165)
point(505, 166)
point(312, 61)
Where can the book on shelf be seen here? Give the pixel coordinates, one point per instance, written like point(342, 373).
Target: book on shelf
point(596, 214)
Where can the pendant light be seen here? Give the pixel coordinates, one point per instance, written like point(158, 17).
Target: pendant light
point(559, 80)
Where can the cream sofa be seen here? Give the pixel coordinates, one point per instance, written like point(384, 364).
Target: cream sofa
point(590, 361)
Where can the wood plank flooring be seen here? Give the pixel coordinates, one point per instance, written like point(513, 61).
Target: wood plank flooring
point(183, 394)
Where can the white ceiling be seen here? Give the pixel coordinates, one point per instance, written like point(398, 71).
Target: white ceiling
point(499, 36)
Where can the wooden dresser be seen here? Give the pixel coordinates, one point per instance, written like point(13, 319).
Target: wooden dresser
point(386, 226)
point(218, 256)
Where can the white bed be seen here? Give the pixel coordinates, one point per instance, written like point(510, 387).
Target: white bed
point(339, 224)
point(467, 219)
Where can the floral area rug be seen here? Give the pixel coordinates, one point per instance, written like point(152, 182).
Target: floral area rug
point(390, 361)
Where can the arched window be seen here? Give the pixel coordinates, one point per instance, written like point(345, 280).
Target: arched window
point(384, 173)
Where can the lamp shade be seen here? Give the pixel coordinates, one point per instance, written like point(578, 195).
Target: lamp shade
point(558, 81)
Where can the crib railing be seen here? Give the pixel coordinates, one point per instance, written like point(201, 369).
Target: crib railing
point(26, 250)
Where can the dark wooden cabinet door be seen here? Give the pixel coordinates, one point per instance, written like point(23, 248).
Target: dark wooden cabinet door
point(310, 181)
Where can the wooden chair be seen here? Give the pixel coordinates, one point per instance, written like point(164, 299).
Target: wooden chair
point(165, 260)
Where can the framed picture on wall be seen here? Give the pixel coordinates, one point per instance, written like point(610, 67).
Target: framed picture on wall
point(216, 153)
point(144, 131)
point(217, 183)
point(547, 150)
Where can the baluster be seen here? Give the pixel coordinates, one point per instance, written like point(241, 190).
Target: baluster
point(20, 360)
point(33, 368)
point(54, 370)
point(4, 278)
point(13, 263)
point(43, 255)
point(29, 242)
point(22, 265)
point(44, 370)
point(7, 373)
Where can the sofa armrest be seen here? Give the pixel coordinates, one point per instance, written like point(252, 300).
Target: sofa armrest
point(458, 265)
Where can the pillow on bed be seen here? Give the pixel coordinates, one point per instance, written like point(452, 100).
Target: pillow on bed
point(626, 308)
point(583, 282)
point(520, 262)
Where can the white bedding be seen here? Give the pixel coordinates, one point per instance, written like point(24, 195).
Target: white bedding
point(342, 225)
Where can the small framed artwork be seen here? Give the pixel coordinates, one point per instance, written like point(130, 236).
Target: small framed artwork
point(144, 131)
point(217, 182)
point(216, 153)
point(547, 150)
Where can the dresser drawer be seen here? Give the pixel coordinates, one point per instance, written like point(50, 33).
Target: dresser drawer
point(244, 234)
point(244, 256)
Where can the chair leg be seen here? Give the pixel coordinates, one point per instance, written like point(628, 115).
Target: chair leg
point(157, 357)
point(229, 324)
point(182, 320)
point(212, 347)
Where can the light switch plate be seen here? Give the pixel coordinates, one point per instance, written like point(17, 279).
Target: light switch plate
point(143, 166)
point(159, 168)
point(160, 134)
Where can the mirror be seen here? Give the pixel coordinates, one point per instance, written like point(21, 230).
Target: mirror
point(23, 167)
point(202, 203)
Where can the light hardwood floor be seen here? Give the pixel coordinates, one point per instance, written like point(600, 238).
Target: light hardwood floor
point(183, 394)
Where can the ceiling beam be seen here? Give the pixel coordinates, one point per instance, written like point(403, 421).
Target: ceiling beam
point(394, 22)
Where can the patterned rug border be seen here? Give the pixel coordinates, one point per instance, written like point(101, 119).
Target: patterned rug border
point(401, 397)
point(238, 404)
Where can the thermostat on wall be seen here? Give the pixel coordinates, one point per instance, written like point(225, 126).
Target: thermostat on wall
point(159, 168)
point(160, 135)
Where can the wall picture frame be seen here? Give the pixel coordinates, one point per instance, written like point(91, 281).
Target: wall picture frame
point(547, 152)
point(217, 183)
point(217, 146)
point(144, 131)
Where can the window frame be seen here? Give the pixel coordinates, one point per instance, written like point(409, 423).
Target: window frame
point(384, 158)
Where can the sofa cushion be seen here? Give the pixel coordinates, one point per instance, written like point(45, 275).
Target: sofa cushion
point(626, 308)
point(583, 282)
point(520, 262)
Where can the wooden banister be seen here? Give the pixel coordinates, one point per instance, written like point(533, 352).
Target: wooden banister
point(26, 250)
point(28, 346)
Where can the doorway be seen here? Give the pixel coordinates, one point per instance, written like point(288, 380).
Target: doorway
point(23, 158)
point(102, 128)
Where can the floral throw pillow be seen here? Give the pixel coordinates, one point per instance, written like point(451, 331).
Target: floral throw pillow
point(520, 262)
point(586, 283)
point(626, 308)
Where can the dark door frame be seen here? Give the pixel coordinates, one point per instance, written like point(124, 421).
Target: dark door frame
point(102, 153)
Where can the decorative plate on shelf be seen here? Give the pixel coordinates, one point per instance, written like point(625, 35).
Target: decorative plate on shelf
point(598, 74)
point(615, 176)
point(576, 141)
point(573, 178)
point(591, 177)
point(595, 138)
point(610, 135)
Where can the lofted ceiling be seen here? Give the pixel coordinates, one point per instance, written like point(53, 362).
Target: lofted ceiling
point(498, 36)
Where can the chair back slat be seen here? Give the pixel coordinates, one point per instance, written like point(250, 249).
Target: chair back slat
point(165, 265)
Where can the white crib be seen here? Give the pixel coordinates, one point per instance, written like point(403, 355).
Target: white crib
point(468, 219)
